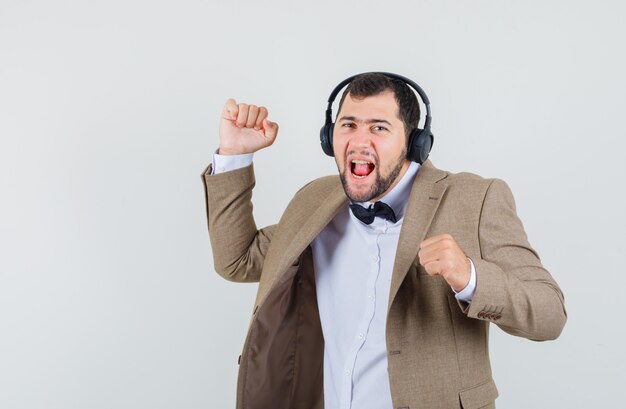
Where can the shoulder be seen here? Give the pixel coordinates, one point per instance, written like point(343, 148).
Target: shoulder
point(461, 179)
point(316, 201)
point(319, 187)
point(319, 193)
point(472, 185)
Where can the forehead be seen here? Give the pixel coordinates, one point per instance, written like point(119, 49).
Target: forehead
point(383, 105)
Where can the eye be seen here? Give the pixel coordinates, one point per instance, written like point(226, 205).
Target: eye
point(379, 128)
point(346, 125)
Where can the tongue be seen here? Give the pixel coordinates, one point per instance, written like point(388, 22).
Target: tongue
point(362, 169)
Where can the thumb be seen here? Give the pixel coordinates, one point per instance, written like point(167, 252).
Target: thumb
point(271, 129)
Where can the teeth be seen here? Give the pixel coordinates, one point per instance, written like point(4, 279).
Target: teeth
point(360, 161)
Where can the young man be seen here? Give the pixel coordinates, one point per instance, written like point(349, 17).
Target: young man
point(377, 287)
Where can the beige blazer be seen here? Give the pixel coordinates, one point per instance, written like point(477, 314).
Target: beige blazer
point(437, 347)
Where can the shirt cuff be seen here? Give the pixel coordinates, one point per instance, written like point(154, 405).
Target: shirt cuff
point(467, 293)
point(226, 163)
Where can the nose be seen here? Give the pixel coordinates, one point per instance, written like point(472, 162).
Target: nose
point(361, 138)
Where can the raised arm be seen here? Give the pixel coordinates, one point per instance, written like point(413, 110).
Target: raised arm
point(239, 248)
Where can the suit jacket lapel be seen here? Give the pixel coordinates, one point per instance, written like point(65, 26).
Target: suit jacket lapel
point(328, 208)
point(424, 200)
point(290, 242)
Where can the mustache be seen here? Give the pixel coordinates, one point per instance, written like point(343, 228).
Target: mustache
point(369, 154)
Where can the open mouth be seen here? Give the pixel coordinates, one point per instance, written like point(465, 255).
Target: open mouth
point(361, 168)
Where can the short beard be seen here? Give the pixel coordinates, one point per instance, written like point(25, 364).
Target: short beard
point(380, 186)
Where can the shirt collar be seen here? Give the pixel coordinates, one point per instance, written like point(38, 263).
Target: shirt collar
point(398, 197)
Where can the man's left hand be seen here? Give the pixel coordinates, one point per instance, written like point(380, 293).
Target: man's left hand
point(441, 255)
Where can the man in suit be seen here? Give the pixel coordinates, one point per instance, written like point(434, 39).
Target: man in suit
point(377, 287)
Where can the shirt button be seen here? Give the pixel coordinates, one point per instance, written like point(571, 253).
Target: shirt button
point(361, 335)
point(371, 297)
point(221, 168)
point(348, 372)
point(374, 258)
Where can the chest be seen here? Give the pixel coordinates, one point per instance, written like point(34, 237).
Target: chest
point(353, 266)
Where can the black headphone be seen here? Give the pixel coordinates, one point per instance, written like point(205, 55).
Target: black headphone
point(420, 140)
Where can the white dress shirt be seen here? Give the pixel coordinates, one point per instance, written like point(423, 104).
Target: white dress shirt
point(353, 263)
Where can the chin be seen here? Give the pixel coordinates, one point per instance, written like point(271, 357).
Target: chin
point(359, 189)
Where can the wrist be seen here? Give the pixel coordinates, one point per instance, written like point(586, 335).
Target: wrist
point(462, 279)
point(460, 284)
point(230, 151)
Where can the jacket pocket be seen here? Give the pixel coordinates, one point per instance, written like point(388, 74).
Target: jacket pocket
point(479, 396)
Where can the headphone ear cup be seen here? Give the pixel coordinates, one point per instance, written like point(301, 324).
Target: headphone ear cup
point(326, 138)
point(420, 144)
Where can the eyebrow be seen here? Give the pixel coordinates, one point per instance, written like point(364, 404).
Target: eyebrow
point(368, 121)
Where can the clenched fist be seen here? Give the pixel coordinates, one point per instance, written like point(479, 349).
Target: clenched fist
point(441, 255)
point(244, 128)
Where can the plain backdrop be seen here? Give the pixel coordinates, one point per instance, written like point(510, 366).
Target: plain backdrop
point(109, 112)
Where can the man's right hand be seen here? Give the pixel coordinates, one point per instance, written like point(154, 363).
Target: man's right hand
point(244, 128)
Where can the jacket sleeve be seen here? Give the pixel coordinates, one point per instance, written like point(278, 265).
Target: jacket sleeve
point(513, 289)
point(239, 248)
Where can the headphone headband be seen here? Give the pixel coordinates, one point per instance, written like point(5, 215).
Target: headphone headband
point(412, 84)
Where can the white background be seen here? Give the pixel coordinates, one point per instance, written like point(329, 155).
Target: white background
point(109, 112)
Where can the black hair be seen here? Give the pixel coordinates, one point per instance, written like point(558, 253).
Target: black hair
point(370, 84)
